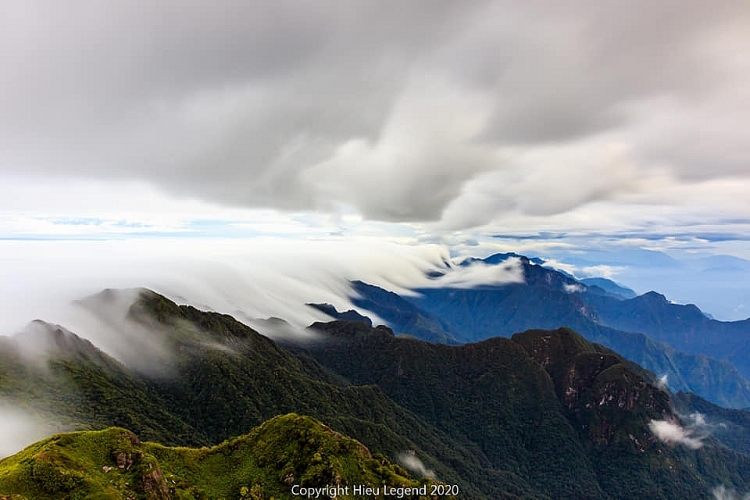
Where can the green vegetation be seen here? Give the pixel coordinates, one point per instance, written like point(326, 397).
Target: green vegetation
point(224, 379)
point(564, 416)
point(544, 415)
point(730, 427)
point(267, 463)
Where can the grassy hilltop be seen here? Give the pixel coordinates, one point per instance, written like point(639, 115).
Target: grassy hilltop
point(265, 464)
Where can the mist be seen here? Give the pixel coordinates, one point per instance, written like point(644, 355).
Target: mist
point(87, 288)
point(20, 428)
point(673, 433)
point(410, 461)
point(249, 279)
point(479, 273)
point(722, 493)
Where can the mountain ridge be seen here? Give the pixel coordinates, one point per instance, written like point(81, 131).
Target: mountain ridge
point(485, 416)
point(282, 456)
point(549, 299)
point(386, 367)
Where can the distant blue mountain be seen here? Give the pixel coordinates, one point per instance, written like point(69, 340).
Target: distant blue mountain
point(683, 326)
point(677, 341)
point(723, 263)
point(609, 286)
point(502, 257)
point(716, 283)
point(401, 314)
point(638, 258)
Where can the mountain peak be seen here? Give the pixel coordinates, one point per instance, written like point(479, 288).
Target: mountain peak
point(654, 297)
point(609, 287)
point(603, 393)
point(41, 340)
point(497, 258)
point(279, 455)
point(350, 315)
point(350, 329)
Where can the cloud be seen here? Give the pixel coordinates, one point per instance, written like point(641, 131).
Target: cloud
point(467, 115)
point(21, 428)
point(600, 271)
point(249, 279)
point(477, 274)
point(573, 288)
point(722, 493)
point(560, 266)
point(672, 433)
point(143, 346)
point(410, 461)
point(698, 419)
point(424, 154)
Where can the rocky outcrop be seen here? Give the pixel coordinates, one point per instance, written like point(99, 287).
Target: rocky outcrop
point(605, 398)
point(124, 460)
point(153, 484)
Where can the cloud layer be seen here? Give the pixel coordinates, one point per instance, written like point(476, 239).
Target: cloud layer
point(463, 114)
point(267, 277)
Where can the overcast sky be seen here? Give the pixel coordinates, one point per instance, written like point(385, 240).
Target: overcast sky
point(440, 121)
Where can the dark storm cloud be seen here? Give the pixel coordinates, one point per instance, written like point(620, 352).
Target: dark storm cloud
point(402, 110)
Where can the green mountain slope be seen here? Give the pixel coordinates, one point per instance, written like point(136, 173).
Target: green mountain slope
point(493, 417)
point(275, 460)
point(223, 379)
point(490, 394)
point(731, 427)
point(563, 414)
point(67, 380)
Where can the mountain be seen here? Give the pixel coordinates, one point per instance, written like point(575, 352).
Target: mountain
point(350, 315)
point(559, 412)
point(491, 396)
point(730, 426)
point(609, 287)
point(500, 258)
point(683, 326)
point(275, 460)
point(542, 415)
point(51, 372)
point(549, 299)
point(401, 313)
point(221, 379)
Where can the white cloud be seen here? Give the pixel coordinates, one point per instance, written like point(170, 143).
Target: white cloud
point(600, 271)
point(723, 493)
point(573, 288)
point(672, 433)
point(415, 465)
point(560, 266)
point(698, 419)
point(248, 278)
point(478, 274)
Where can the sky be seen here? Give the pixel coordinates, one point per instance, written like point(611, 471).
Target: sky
point(606, 136)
